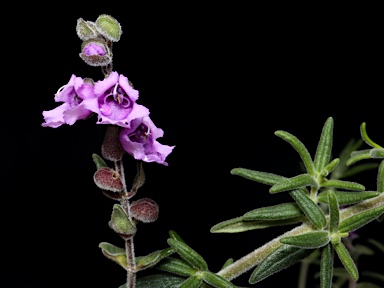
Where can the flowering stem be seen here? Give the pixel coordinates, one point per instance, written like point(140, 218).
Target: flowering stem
point(250, 260)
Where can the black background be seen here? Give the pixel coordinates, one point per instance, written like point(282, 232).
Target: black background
point(219, 80)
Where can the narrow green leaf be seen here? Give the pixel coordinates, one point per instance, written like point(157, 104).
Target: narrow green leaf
point(357, 157)
point(358, 220)
point(120, 222)
point(158, 281)
point(364, 135)
point(281, 258)
point(334, 214)
point(237, 225)
point(261, 177)
point(295, 182)
point(309, 240)
point(114, 253)
point(347, 260)
point(276, 212)
point(188, 254)
point(192, 282)
point(300, 148)
point(330, 167)
point(227, 263)
point(150, 260)
point(175, 236)
point(377, 153)
point(100, 163)
point(176, 266)
point(346, 198)
point(216, 280)
point(326, 266)
point(347, 185)
point(324, 148)
point(310, 208)
point(380, 178)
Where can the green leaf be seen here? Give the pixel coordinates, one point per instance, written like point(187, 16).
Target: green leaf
point(326, 266)
point(175, 236)
point(237, 225)
point(276, 212)
point(150, 260)
point(114, 253)
point(300, 148)
point(309, 240)
point(358, 220)
point(261, 177)
point(364, 135)
point(347, 185)
point(357, 156)
point(100, 163)
point(380, 178)
point(377, 153)
point(176, 266)
point(188, 254)
point(295, 182)
point(281, 258)
point(216, 280)
point(192, 282)
point(334, 214)
point(346, 198)
point(346, 260)
point(120, 222)
point(330, 167)
point(158, 281)
point(227, 263)
point(324, 148)
point(310, 208)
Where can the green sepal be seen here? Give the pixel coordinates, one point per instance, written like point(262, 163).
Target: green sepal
point(365, 137)
point(257, 176)
point(99, 162)
point(359, 220)
point(358, 155)
point(276, 212)
point(281, 258)
point(334, 213)
point(175, 236)
point(326, 266)
point(347, 185)
point(188, 254)
point(120, 222)
point(237, 225)
point(309, 240)
point(324, 148)
point(300, 148)
point(295, 182)
point(192, 282)
point(377, 153)
point(158, 281)
point(176, 266)
point(346, 260)
point(108, 26)
point(215, 280)
point(114, 253)
point(150, 260)
point(330, 167)
point(310, 208)
point(227, 263)
point(346, 198)
point(380, 178)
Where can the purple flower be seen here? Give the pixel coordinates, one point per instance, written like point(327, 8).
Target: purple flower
point(140, 141)
point(94, 49)
point(74, 96)
point(116, 101)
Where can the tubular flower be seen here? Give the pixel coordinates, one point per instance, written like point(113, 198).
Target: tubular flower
point(140, 141)
point(74, 96)
point(116, 101)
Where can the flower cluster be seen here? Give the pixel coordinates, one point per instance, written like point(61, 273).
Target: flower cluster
point(114, 101)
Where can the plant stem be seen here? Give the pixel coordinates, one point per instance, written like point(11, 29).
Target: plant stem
point(250, 260)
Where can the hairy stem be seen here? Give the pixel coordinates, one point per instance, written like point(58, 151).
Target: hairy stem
point(250, 260)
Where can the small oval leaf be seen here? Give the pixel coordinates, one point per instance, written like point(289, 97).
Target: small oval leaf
point(257, 176)
point(346, 185)
point(309, 240)
point(358, 220)
point(120, 222)
point(176, 266)
point(276, 212)
point(99, 162)
point(346, 198)
point(188, 254)
point(295, 182)
point(150, 260)
point(215, 280)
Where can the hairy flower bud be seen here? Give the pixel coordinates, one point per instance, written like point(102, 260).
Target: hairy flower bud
point(145, 210)
point(108, 26)
point(95, 52)
point(111, 148)
point(86, 29)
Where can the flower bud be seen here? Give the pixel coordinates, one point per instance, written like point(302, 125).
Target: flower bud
point(95, 52)
point(145, 210)
point(86, 29)
point(108, 26)
point(111, 148)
